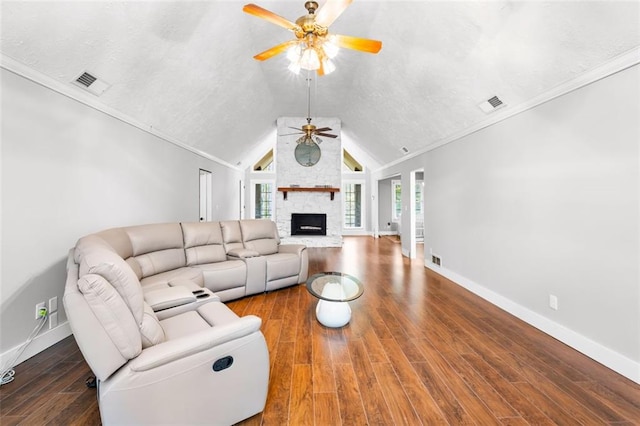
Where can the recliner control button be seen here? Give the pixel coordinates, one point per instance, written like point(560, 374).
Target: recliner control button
point(223, 363)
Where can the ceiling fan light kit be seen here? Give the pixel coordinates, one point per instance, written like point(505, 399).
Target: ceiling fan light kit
point(312, 50)
point(313, 47)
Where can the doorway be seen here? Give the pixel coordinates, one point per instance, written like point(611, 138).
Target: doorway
point(206, 212)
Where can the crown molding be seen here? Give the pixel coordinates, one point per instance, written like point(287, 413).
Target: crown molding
point(79, 95)
point(613, 66)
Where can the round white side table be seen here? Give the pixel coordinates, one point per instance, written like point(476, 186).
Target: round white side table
point(334, 289)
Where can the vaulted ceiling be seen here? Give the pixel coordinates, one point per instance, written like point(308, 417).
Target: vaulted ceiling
point(186, 68)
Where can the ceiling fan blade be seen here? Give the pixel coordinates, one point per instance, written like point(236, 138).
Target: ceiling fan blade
point(327, 135)
point(295, 128)
point(260, 12)
point(357, 43)
point(275, 50)
point(323, 129)
point(331, 10)
point(291, 134)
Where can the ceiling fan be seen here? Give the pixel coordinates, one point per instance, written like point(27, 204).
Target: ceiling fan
point(309, 131)
point(313, 46)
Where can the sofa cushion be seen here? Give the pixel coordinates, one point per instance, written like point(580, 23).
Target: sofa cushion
point(135, 266)
point(161, 261)
point(119, 241)
point(201, 233)
point(165, 278)
point(88, 243)
point(282, 265)
point(116, 271)
point(113, 314)
point(155, 237)
point(260, 235)
point(224, 275)
point(205, 254)
point(231, 235)
point(183, 325)
point(203, 243)
point(157, 248)
point(150, 329)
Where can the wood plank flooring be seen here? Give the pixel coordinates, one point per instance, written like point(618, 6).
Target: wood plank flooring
point(418, 350)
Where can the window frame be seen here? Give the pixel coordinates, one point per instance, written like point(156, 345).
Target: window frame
point(395, 215)
point(255, 182)
point(362, 183)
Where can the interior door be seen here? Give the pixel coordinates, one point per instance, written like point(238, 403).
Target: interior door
point(206, 214)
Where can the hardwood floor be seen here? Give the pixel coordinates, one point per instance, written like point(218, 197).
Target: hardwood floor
point(418, 350)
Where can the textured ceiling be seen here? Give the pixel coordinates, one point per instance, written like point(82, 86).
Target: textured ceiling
point(186, 67)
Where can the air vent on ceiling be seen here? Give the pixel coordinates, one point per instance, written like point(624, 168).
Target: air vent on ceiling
point(91, 83)
point(86, 79)
point(491, 104)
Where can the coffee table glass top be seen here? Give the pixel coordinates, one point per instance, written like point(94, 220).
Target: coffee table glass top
point(335, 287)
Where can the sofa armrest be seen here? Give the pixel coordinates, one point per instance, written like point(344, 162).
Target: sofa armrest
point(169, 297)
point(291, 248)
point(242, 253)
point(173, 350)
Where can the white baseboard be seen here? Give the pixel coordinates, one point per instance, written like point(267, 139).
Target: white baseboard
point(39, 344)
point(355, 232)
point(388, 233)
point(605, 356)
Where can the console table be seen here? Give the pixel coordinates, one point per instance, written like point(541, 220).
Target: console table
point(287, 189)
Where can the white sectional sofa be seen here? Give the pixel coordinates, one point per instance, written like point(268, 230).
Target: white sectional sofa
point(145, 306)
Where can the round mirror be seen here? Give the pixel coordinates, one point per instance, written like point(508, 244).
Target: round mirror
point(307, 154)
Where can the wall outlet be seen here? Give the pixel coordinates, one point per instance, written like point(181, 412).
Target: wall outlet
point(435, 259)
point(53, 320)
point(53, 304)
point(553, 302)
point(38, 307)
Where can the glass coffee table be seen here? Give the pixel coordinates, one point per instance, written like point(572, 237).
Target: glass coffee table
point(334, 289)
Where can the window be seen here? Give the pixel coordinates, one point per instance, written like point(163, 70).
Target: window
point(419, 211)
point(266, 163)
point(352, 196)
point(419, 190)
point(263, 200)
point(396, 200)
point(350, 164)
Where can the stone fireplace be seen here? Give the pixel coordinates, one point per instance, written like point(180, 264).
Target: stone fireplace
point(327, 172)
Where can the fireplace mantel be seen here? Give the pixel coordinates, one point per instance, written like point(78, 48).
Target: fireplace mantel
point(287, 189)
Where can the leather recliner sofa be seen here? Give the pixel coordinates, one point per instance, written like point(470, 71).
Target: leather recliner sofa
point(145, 306)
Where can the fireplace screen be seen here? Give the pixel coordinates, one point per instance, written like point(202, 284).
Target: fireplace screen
point(308, 224)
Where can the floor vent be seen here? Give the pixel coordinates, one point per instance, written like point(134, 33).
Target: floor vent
point(91, 83)
point(491, 104)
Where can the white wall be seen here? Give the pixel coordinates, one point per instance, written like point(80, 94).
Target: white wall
point(69, 170)
point(547, 202)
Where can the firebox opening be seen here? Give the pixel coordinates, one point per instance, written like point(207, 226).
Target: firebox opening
point(308, 224)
